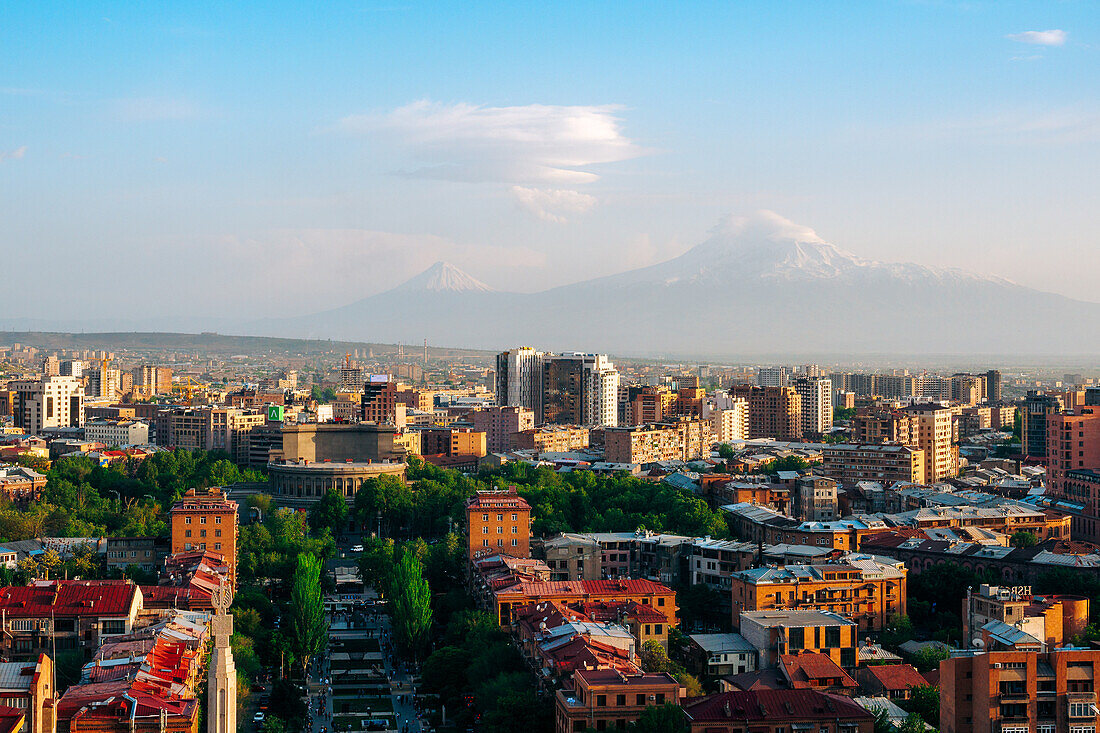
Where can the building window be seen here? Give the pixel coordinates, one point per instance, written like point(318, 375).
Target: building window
point(485, 517)
point(515, 530)
point(601, 701)
point(217, 520)
point(114, 627)
point(217, 545)
point(639, 699)
point(186, 533)
point(620, 699)
point(500, 517)
point(202, 533)
point(515, 542)
point(1080, 710)
point(515, 517)
point(187, 520)
point(500, 543)
point(485, 543)
point(217, 533)
point(202, 520)
point(660, 601)
point(484, 530)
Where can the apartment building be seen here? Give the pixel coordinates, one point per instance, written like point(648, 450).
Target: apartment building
point(204, 519)
point(732, 423)
point(650, 404)
point(452, 442)
point(47, 402)
point(551, 439)
point(65, 615)
point(609, 699)
point(519, 378)
point(774, 412)
point(1037, 406)
point(623, 590)
point(1050, 619)
point(793, 631)
point(117, 432)
point(884, 425)
point(937, 436)
point(865, 588)
point(851, 463)
point(685, 440)
point(817, 498)
point(1073, 444)
point(579, 389)
point(502, 424)
point(816, 396)
point(1020, 691)
point(498, 522)
point(379, 401)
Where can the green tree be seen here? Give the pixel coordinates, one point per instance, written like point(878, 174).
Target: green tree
point(1023, 538)
point(654, 658)
point(376, 562)
point(667, 718)
point(308, 628)
point(928, 658)
point(410, 601)
point(925, 702)
point(331, 511)
point(725, 451)
point(692, 686)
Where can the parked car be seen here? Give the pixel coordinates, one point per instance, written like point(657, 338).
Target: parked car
point(259, 717)
point(356, 548)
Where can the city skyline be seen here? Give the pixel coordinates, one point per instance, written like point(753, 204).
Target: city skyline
point(351, 147)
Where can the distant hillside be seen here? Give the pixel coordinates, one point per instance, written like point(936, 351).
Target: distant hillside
point(215, 343)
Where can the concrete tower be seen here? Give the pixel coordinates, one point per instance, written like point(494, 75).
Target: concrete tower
point(221, 680)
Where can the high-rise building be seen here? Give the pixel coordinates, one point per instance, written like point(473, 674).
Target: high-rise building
point(771, 376)
point(519, 378)
point(934, 387)
point(650, 405)
point(379, 402)
point(103, 382)
point(152, 380)
point(579, 389)
point(817, 404)
point(774, 412)
point(993, 386)
point(967, 389)
point(502, 424)
point(1018, 688)
point(51, 367)
point(351, 377)
point(730, 423)
point(48, 402)
point(1037, 406)
point(937, 436)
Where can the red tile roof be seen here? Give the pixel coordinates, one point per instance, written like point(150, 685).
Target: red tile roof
point(813, 669)
point(897, 676)
point(774, 706)
point(11, 719)
point(68, 598)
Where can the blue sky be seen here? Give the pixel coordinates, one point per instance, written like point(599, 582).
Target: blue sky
point(272, 158)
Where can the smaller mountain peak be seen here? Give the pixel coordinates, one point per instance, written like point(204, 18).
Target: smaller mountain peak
point(444, 277)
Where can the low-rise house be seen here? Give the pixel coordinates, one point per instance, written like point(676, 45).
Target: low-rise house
point(815, 671)
point(718, 655)
point(776, 711)
point(66, 615)
point(895, 681)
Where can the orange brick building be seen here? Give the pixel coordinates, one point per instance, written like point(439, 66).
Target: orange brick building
point(204, 519)
point(1009, 691)
point(499, 522)
point(608, 699)
point(861, 587)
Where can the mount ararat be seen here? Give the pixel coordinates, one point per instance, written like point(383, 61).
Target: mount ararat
point(757, 285)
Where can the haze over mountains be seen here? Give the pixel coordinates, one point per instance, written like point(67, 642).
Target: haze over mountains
point(756, 285)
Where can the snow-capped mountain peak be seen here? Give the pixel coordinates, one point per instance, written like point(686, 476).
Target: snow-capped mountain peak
point(444, 277)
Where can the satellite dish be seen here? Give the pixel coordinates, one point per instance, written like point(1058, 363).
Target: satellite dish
point(978, 643)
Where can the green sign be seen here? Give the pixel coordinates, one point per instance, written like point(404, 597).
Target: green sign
point(274, 413)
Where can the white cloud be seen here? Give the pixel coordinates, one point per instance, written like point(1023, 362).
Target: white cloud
point(1039, 38)
point(13, 154)
point(551, 204)
point(535, 143)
